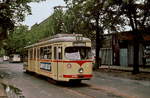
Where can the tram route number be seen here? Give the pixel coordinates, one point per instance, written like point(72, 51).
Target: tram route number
point(45, 66)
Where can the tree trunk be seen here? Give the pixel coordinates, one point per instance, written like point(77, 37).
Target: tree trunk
point(97, 44)
point(136, 42)
point(3, 33)
point(97, 50)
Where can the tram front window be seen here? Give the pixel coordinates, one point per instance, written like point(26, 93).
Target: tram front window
point(78, 53)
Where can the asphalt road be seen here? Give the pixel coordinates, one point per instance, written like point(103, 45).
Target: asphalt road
point(100, 86)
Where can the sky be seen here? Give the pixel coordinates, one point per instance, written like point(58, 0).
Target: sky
point(41, 11)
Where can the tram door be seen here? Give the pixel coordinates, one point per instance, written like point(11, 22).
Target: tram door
point(59, 64)
point(34, 60)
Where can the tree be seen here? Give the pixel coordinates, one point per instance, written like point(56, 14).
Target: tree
point(91, 19)
point(115, 15)
point(58, 19)
point(16, 41)
point(12, 12)
point(136, 14)
point(41, 30)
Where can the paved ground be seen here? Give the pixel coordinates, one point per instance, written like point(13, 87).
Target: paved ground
point(125, 68)
point(100, 86)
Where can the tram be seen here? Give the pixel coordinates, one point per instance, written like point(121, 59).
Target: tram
point(63, 57)
point(14, 58)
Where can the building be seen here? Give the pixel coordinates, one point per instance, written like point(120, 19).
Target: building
point(117, 49)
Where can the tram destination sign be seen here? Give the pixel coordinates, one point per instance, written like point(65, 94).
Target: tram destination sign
point(79, 44)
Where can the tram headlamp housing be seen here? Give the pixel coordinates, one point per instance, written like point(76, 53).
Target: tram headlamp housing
point(80, 70)
point(69, 65)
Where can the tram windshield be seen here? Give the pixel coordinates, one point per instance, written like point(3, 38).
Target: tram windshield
point(78, 53)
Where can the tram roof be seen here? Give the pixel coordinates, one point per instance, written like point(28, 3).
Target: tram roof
point(60, 38)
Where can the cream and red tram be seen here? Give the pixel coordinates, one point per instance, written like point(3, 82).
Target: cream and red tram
point(63, 57)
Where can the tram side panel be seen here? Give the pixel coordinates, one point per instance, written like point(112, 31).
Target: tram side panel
point(44, 68)
point(59, 70)
point(30, 53)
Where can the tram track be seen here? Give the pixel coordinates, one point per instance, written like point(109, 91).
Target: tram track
point(113, 91)
point(108, 91)
point(80, 89)
point(78, 93)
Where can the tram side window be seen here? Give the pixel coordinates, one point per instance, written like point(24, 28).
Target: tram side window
point(38, 52)
point(55, 52)
point(60, 52)
point(31, 53)
point(34, 53)
point(45, 52)
point(41, 53)
point(49, 52)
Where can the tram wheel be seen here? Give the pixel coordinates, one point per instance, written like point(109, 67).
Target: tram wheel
point(27, 71)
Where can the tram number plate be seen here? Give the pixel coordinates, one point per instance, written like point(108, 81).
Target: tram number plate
point(80, 76)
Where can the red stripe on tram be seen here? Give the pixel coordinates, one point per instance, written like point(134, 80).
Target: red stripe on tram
point(78, 76)
point(64, 61)
point(78, 62)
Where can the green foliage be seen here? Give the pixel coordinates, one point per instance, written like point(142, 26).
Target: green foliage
point(133, 13)
point(58, 21)
point(75, 20)
point(16, 40)
point(113, 15)
point(2, 52)
point(85, 14)
point(22, 37)
point(12, 12)
point(40, 31)
point(110, 16)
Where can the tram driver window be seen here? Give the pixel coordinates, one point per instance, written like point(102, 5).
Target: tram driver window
point(78, 53)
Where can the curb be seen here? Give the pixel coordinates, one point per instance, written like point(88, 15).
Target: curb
point(129, 69)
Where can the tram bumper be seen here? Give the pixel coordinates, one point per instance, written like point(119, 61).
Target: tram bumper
point(80, 76)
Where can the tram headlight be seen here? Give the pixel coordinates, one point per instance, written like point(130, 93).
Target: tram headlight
point(69, 65)
point(81, 70)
